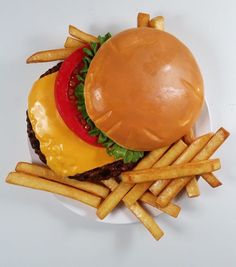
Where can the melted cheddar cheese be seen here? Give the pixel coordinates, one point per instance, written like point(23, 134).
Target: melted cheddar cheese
point(66, 153)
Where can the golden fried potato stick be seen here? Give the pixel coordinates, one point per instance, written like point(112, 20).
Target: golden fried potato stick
point(172, 190)
point(44, 172)
point(143, 19)
point(139, 189)
point(72, 42)
point(171, 209)
point(147, 220)
point(220, 137)
point(108, 204)
point(151, 158)
point(211, 179)
point(215, 142)
point(171, 172)
point(110, 183)
point(35, 182)
point(185, 157)
point(144, 217)
point(82, 36)
point(116, 196)
point(148, 198)
point(50, 55)
point(157, 23)
point(192, 188)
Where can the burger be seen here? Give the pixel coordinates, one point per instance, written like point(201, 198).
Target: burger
point(97, 113)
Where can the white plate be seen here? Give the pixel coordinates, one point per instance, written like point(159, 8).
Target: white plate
point(121, 215)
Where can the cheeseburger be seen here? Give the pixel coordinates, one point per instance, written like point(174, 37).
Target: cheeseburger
point(98, 112)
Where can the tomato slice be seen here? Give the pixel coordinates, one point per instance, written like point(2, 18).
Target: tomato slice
point(66, 101)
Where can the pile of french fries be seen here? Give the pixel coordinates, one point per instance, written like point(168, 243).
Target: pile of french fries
point(78, 38)
point(156, 180)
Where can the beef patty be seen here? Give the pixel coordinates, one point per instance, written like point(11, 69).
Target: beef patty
point(107, 171)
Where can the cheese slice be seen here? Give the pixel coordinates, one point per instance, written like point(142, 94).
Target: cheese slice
point(65, 152)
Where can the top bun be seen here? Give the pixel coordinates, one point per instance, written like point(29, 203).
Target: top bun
point(144, 89)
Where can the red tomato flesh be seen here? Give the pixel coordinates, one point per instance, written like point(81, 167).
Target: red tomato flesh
point(66, 100)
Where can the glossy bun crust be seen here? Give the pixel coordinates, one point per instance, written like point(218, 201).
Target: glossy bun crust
point(144, 89)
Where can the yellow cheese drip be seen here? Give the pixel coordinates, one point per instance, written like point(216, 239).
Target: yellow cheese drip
point(65, 152)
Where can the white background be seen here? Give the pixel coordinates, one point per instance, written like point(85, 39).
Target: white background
point(35, 229)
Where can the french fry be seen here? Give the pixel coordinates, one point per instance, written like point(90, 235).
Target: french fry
point(108, 204)
point(189, 137)
point(50, 55)
point(140, 213)
point(148, 198)
point(171, 155)
point(82, 36)
point(45, 172)
point(139, 189)
point(151, 158)
point(172, 190)
point(157, 23)
point(192, 188)
point(215, 142)
point(171, 209)
point(185, 157)
point(72, 42)
point(110, 183)
point(147, 220)
point(211, 179)
point(143, 19)
point(35, 182)
point(213, 145)
point(171, 172)
point(116, 196)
